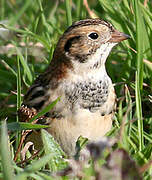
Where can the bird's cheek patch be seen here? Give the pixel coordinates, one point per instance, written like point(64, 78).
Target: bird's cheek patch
point(69, 43)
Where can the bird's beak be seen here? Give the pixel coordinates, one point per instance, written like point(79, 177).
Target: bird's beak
point(117, 37)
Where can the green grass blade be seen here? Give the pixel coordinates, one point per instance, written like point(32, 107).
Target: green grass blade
point(129, 116)
point(45, 176)
point(11, 28)
point(20, 126)
point(18, 96)
point(5, 154)
point(2, 10)
point(37, 165)
point(140, 40)
point(9, 67)
point(79, 9)
point(18, 84)
point(106, 5)
point(22, 176)
point(35, 176)
point(139, 74)
point(68, 12)
point(139, 114)
point(45, 110)
point(25, 66)
point(40, 39)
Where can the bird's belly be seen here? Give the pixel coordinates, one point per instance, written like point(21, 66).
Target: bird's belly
point(86, 110)
point(89, 125)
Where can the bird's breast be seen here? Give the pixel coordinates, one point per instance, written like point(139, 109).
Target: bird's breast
point(90, 91)
point(89, 94)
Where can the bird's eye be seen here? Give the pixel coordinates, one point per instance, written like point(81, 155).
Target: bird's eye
point(93, 35)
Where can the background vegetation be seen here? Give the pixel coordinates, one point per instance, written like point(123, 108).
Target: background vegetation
point(29, 31)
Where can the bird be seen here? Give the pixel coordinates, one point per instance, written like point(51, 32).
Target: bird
point(77, 75)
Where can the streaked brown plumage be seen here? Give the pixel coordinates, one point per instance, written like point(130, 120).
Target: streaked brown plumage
point(77, 74)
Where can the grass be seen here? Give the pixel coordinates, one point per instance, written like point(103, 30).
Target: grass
point(32, 29)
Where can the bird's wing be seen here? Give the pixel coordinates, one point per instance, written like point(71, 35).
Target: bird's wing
point(38, 96)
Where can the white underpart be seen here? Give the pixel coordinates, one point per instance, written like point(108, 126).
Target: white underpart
point(86, 70)
point(99, 56)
